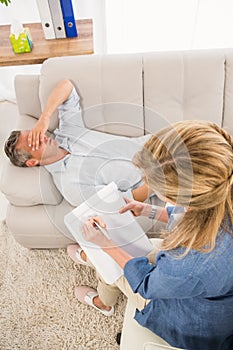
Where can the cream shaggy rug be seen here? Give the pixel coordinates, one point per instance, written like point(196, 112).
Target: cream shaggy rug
point(38, 309)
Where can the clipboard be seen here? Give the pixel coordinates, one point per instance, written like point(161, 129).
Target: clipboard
point(122, 228)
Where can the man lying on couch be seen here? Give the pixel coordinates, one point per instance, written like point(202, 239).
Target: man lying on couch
point(81, 161)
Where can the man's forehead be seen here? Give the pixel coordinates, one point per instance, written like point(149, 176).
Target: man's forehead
point(24, 133)
point(22, 138)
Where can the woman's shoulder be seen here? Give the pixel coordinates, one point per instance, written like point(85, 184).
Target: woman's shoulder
point(175, 260)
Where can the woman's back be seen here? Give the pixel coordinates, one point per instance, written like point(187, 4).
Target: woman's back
point(192, 301)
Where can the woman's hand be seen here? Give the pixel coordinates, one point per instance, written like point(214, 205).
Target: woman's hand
point(137, 208)
point(37, 134)
point(92, 234)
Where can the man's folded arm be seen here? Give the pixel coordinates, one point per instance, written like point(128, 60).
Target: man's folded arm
point(57, 97)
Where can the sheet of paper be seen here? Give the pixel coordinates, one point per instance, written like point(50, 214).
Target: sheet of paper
point(122, 228)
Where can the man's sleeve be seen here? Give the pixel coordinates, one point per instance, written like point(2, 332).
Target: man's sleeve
point(69, 112)
point(75, 194)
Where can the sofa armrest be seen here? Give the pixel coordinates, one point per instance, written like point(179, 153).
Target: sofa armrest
point(28, 186)
point(136, 337)
point(154, 346)
point(27, 95)
point(133, 335)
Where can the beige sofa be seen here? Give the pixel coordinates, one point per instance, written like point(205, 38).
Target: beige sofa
point(123, 94)
point(136, 337)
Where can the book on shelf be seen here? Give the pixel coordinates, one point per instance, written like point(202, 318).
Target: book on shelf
point(57, 18)
point(46, 19)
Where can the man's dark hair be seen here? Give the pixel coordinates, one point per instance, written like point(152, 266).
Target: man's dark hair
point(17, 157)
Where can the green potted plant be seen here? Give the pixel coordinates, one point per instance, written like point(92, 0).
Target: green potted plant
point(6, 2)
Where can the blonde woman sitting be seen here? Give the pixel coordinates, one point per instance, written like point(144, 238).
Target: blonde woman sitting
point(184, 293)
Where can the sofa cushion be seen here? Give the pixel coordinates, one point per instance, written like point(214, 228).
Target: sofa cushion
point(228, 95)
point(28, 186)
point(183, 85)
point(39, 226)
point(28, 85)
point(110, 87)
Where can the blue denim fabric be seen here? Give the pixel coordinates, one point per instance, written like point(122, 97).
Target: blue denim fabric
point(191, 298)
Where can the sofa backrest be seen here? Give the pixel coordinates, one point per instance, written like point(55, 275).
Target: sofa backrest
point(183, 85)
point(228, 93)
point(110, 88)
point(131, 94)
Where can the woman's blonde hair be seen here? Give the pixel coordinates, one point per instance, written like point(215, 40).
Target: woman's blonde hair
point(191, 163)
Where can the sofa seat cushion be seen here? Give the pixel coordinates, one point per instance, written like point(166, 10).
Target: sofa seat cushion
point(40, 226)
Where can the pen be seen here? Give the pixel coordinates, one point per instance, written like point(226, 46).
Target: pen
point(105, 233)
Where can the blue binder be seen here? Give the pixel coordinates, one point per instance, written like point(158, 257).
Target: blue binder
point(69, 20)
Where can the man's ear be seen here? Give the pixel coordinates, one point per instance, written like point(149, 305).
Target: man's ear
point(32, 162)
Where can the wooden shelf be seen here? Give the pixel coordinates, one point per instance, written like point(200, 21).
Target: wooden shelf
point(42, 48)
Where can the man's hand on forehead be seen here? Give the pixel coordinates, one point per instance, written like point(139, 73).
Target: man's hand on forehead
point(36, 135)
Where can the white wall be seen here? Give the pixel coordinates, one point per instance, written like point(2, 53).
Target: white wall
point(26, 11)
point(135, 26)
point(155, 25)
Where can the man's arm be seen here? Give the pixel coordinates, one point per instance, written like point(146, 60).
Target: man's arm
point(59, 95)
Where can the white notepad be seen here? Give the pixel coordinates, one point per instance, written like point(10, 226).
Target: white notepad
point(122, 228)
